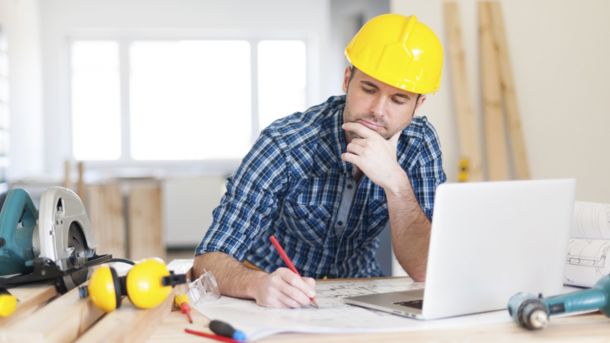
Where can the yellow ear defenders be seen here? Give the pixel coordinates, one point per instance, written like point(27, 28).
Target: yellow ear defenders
point(8, 303)
point(147, 284)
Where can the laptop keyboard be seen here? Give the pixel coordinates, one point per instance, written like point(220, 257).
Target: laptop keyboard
point(411, 303)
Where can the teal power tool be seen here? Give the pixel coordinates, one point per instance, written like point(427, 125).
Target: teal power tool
point(533, 312)
point(53, 244)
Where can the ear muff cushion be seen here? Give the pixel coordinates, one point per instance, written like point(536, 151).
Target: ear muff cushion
point(8, 304)
point(103, 289)
point(117, 287)
point(144, 283)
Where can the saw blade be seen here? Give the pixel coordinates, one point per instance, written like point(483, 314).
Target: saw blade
point(77, 257)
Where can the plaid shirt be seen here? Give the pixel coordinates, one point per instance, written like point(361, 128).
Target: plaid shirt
point(293, 184)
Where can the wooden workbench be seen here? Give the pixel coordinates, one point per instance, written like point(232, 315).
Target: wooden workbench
point(44, 316)
point(582, 328)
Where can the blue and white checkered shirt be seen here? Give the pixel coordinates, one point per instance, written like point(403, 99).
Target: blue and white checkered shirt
point(293, 184)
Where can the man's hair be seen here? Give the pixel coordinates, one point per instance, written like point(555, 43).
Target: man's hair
point(352, 72)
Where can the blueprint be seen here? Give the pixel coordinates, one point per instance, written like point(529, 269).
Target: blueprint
point(587, 260)
point(333, 316)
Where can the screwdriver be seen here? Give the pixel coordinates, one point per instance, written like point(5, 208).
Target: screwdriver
point(225, 329)
point(182, 302)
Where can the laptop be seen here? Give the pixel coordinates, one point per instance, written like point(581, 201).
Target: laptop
point(489, 240)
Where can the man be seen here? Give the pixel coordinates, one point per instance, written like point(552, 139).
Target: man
point(327, 181)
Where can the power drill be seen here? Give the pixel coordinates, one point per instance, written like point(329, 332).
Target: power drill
point(533, 312)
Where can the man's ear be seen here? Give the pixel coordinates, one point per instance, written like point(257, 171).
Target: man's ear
point(346, 76)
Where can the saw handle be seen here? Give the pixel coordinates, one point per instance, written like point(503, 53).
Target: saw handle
point(15, 239)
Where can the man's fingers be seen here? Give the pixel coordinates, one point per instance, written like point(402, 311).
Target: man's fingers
point(296, 296)
point(287, 301)
point(293, 290)
point(297, 282)
point(355, 149)
point(350, 158)
point(272, 299)
point(310, 281)
point(359, 129)
point(360, 141)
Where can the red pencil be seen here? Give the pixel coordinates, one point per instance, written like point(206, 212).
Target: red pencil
point(288, 262)
point(210, 335)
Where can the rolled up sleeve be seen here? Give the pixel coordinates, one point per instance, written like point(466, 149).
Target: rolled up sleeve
point(251, 202)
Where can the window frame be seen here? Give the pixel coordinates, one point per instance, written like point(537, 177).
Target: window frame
point(129, 166)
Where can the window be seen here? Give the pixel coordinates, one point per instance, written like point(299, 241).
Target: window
point(161, 100)
point(190, 99)
point(96, 107)
point(281, 80)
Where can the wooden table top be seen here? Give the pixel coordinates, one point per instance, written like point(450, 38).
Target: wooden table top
point(44, 316)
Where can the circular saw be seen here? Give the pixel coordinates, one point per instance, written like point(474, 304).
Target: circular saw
point(52, 243)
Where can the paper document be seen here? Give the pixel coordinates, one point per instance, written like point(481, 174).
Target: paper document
point(589, 246)
point(333, 316)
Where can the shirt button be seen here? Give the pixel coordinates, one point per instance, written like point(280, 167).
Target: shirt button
point(340, 223)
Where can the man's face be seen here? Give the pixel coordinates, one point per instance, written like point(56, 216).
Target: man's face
point(376, 105)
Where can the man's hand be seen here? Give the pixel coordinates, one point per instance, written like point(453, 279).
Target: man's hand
point(374, 155)
point(284, 289)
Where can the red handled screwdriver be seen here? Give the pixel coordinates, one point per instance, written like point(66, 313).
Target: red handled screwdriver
point(182, 302)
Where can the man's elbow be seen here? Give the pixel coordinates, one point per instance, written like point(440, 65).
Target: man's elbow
point(417, 273)
point(199, 264)
point(418, 277)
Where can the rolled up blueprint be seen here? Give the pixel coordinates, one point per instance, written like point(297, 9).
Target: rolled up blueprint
point(591, 220)
point(587, 261)
point(589, 247)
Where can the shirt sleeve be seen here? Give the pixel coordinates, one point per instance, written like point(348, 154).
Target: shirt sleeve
point(251, 202)
point(428, 173)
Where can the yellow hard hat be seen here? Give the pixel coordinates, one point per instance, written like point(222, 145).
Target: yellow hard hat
point(399, 51)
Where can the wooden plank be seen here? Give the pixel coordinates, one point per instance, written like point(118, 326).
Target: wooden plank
point(517, 141)
point(495, 132)
point(62, 320)
point(146, 238)
point(128, 323)
point(468, 130)
point(105, 208)
point(171, 328)
point(29, 299)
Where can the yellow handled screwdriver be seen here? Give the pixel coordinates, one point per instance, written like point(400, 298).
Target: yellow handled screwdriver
point(182, 302)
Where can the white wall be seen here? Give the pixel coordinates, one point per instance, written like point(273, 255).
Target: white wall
point(346, 18)
point(19, 19)
point(559, 52)
point(62, 19)
point(187, 205)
